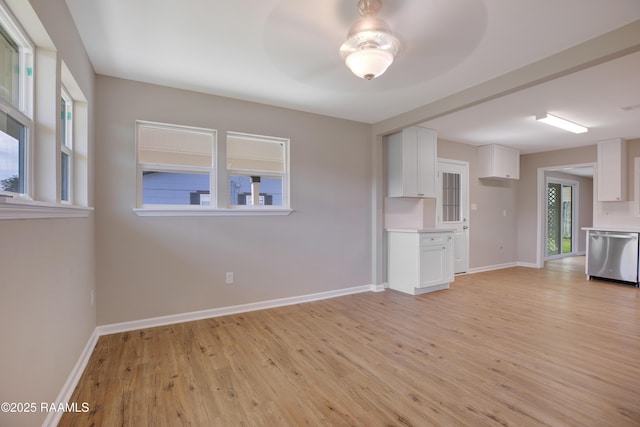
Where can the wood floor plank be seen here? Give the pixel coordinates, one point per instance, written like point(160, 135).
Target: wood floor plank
point(512, 347)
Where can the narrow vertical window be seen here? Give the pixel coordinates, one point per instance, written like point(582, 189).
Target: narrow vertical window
point(66, 146)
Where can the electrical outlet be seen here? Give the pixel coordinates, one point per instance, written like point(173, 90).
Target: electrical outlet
point(229, 277)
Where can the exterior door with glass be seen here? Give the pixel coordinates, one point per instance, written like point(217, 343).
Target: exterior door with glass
point(452, 206)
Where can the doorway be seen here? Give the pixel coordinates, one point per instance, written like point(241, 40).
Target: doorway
point(561, 219)
point(452, 208)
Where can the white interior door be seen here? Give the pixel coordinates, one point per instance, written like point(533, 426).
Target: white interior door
point(452, 206)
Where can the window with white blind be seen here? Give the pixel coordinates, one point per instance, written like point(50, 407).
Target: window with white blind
point(176, 165)
point(257, 171)
point(16, 99)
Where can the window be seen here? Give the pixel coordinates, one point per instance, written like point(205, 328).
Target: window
point(15, 107)
point(59, 186)
point(12, 154)
point(66, 146)
point(451, 206)
point(175, 165)
point(257, 168)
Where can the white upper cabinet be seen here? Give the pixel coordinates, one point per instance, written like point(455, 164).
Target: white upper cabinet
point(612, 170)
point(498, 161)
point(411, 163)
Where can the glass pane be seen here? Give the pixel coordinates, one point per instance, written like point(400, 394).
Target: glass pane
point(12, 154)
point(553, 218)
point(65, 172)
point(63, 121)
point(450, 197)
point(9, 70)
point(173, 188)
point(241, 188)
point(567, 214)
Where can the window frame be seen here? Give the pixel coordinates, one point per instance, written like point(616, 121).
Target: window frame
point(40, 198)
point(217, 175)
point(66, 146)
point(23, 112)
point(142, 167)
point(284, 175)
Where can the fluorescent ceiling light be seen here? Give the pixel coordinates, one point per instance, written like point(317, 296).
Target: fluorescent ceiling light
point(561, 123)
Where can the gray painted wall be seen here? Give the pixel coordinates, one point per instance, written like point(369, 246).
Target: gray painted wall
point(527, 202)
point(47, 265)
point(489, 228)
point(152, 267)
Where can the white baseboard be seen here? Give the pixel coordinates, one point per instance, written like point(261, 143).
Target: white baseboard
point(53, 417)
point(224, 311)
point(527, 264)
point(492, 267)
point(378, 288)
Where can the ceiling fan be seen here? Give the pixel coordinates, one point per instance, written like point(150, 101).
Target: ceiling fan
point(370, 46)
point(312, 41)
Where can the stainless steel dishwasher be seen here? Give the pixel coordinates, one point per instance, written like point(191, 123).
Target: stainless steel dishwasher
point(613, 255)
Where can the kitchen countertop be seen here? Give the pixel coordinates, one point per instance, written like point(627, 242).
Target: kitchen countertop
point(421, 230)
point(618, 229)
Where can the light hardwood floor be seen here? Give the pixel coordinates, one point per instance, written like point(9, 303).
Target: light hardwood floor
point(512, 347)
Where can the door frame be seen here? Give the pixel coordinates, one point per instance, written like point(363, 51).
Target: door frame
point(542, 209)
point(465, 214)
point(575, 203)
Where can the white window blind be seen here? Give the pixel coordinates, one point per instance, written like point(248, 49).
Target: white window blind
point(247, 153)
point(173, 145)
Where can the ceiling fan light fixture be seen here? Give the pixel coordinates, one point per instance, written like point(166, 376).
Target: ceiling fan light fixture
point(369, 63)
point(561, 123)
point(370, 47)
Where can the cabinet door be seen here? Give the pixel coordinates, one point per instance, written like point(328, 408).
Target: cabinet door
point(510, 160)
point(427, 163)
point(612, 170)
point(497, 161)
point(411, 163)
point(432, 264)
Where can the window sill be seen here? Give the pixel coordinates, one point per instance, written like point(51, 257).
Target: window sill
point(13, 208)
point(175, 211)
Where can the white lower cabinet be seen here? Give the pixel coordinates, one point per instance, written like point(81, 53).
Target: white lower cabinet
point(419, 261)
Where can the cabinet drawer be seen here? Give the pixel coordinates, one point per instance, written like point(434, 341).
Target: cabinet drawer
point(426, 239)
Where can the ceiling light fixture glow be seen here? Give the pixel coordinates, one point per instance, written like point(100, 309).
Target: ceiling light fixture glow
point(370, 47)
point(558, 122)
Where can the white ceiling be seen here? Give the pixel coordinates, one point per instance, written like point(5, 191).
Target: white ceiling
point(285, 53)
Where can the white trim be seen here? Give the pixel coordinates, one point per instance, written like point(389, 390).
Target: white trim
point(378, 288)
point(493, 267)
point(636, 188)
point(466, 220)
point(527, 264)
point(53, 418)
point(541, 205)
point(225, 311)
point(14, 208)
point(200, 211)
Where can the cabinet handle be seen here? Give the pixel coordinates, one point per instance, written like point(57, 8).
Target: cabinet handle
point(420, 194)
